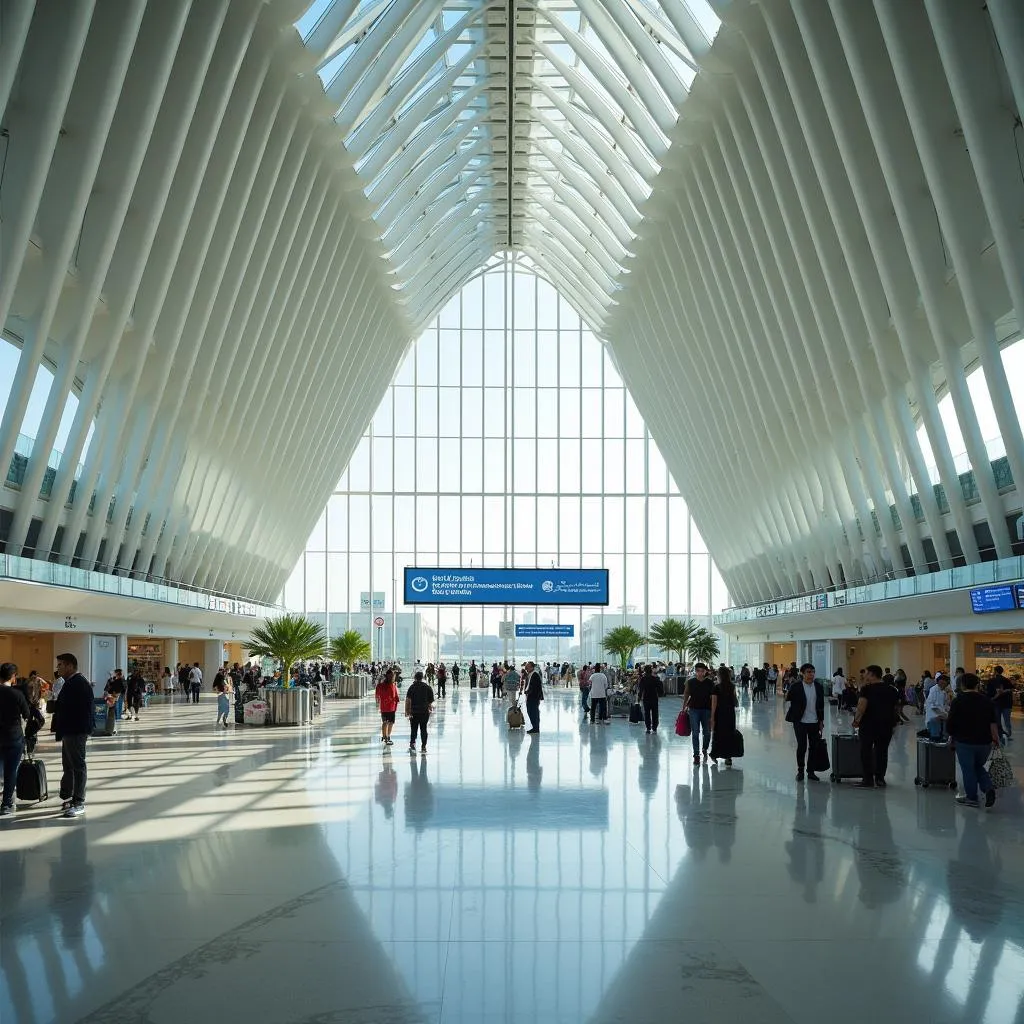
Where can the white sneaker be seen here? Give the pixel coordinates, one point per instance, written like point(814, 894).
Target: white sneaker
point(75, 811)
point(967, 803)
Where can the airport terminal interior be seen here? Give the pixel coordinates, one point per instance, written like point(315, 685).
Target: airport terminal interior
point(354, 347)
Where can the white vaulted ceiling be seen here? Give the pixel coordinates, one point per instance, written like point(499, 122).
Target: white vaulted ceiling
point(222, 223)
point(533, 126)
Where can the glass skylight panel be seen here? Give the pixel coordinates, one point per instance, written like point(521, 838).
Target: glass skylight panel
point(588, 138)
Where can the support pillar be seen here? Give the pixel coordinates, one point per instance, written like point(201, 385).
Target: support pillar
point(121, 657)
point(80, 645)
point(957, 656)
point(171, 654)
point(213, 660)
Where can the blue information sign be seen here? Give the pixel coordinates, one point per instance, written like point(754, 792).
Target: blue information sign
point(994, 599)
point(506, 586)
point(543, 629)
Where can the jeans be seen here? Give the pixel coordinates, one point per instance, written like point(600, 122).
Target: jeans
point(72, 782)
point(874, 752)
point(972, 758)
point(441, 692)
point(599, 708)
point(584, 694)
point(700, 722)
point(11, 754)
point(1004, 722)
point(806, 734)
point(419, 724)
point(533, 713)
point(937, 729)
point(651, 714)
point(195, 694)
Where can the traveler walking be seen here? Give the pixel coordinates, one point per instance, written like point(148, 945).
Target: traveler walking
point(195, 681)
point(14, 712)
point(386, 695)
point(442, 680)
point(936, 710)
point(220, 687)
point(697, 704)
point(723, 720)
point(974, 734)
point(585, 673)
point(73, 727)
point(806, 713)
point(598, 694)
point(134, 695)
point(455, 676)
point(513, 682)
point(534, 695)
point(876, 715)
point(419, 702)
point(649, 689)
point(473, 672)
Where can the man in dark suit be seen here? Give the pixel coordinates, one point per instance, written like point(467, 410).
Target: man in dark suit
point(74, 719)
point(806, 697)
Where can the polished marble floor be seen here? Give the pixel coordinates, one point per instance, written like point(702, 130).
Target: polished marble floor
point(587, 874)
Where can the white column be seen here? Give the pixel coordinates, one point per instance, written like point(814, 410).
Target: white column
point(121, 660)
point(171, 654)
point(213, 660)
point(956, 653)
point(80, 645)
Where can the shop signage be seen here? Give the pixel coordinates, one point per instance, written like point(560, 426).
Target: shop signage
point(543, 629)
point(378, 601)
point(506, 586)
point(1001, 598)
point(762, 611)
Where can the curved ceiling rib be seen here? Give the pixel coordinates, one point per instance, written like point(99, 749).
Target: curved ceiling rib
point(461, 156)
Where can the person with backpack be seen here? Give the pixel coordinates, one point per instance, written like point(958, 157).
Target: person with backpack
point(419, 702)
point(745, 676)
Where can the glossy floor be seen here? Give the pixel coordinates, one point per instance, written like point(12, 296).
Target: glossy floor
point(589, 873)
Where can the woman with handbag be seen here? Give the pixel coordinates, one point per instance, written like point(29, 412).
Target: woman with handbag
point(723, 720)
point(974, 735)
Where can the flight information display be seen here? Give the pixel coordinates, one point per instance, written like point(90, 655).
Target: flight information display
point(1001, 598)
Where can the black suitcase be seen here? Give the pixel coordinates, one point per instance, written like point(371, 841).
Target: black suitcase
point(845, 757)
point(936, 765)
point(636, 714)
point(31, 784)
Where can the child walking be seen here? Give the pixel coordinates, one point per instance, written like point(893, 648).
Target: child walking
point(223, 703)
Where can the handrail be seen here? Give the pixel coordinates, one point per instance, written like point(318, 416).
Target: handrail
point(1003, 570)
point(144, 587)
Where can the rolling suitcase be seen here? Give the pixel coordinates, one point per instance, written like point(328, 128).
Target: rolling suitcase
point(845, 757)
point(936, 765)
point(636, 714)
point(104, 718)
point(515, 717)
point(31, 783)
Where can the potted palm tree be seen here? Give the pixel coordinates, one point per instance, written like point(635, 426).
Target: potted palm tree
point(287, 638)
point(621, 642)
point(673, 636)
point(704, 646)
point(350, 647)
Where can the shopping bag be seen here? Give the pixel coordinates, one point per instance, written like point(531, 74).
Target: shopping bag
point(682, 724)
point(818, 759)
point(1001, 770)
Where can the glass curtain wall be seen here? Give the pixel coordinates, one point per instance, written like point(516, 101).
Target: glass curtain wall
point(506, 439)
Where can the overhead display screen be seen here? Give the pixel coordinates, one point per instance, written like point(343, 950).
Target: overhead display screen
point(506, 586)
point(1001, 598)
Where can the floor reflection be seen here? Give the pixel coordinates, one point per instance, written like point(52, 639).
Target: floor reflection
point(588, 873)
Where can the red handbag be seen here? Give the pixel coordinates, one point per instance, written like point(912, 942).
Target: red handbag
point(683, 724)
